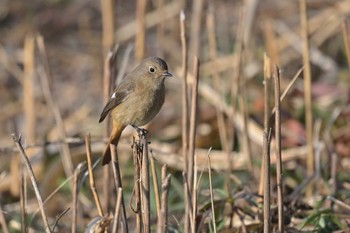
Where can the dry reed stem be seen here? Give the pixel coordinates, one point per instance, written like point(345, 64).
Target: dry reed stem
point(140, 29)
point(279, 173)
point(91, 175)
point(3, 221)
point(271, 44)
point(267, 198)
point(155, 185)
point(109, 74)
point(117, 210)
point(66, 157)
point(194, 196)
point(107, 8)
point(160, 28)
point(136, 192)
point(23, 200)
point(28, 89)
point(163, 220)
point(77, 171)
point(185, 118)
point(118, 182)
point(193, 122)
point(145, 197)
point(267, 79)
point(211, 193)
point(30, 171)
point(211, 26)
point(345, 30)
point(307, 91)
point(197, 7)
point(188, 203)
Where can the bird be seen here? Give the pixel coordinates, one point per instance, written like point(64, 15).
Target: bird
point(136, 100)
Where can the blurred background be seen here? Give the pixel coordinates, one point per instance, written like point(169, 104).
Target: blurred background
point(52, 56)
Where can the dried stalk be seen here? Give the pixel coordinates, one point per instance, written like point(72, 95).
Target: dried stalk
point(145, 201)
point(345, 30)
point(163, 221)
point(267, 198)
point(109, 74)
point(136, 193)
point(30, 171)
point(278, 151)
point(77, 171)
point(23, 200)
point(194, 196)
point(155, 185)
point(44, 78)
point(307, 90)
point(211, 194)
point(107, 8)
point(141, 31)
point(185, 118)
point(197, 7)
point(118, 183)
point(117, 210)
point(28, 89)
point(91, 175)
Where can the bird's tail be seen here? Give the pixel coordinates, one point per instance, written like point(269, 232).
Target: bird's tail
point(113, 139)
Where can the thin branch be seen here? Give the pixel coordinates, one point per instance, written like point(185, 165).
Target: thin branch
point(26, 161)
point(91, 175)
point(3, 221)
point(117, 210)
point(145, 198)
point(118, 182)
point(77, 171)
point(279, 173)
point(59, 217)
point(155, 185)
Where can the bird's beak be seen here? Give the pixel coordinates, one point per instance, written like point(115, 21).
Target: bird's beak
point(167, 74)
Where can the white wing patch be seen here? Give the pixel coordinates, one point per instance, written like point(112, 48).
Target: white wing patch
point(113, 96)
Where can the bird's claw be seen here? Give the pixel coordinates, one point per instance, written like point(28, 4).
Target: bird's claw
point(140, 131)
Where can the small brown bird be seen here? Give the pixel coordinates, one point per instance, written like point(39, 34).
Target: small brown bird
point(137, 99)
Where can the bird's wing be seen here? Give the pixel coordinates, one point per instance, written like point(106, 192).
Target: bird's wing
point(120, 94)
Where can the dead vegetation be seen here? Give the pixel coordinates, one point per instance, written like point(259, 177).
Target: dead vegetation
point(253, 136)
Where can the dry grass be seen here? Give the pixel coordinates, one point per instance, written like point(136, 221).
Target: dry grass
point(59, 62)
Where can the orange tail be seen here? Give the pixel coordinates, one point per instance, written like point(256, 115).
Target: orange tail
point(113, 139)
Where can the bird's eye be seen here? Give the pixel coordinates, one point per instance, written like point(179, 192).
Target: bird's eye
point(151, 69)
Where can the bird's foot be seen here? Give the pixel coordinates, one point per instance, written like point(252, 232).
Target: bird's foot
point(140, 131)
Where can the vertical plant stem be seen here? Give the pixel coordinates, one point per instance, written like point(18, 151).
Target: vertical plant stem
point(137, 194)
point(140, 28)
point(211, 25)
point(145, 201)
point(307, 91)
point(185, 118)
point(23, 200)
point(66, 157)
point(107, 8)
point(345, 30)
point(118, 183)
point(267, 198)
point(75, 196)
point(109, 74)
point(194, 196)
point(155, 185)
point(117, 210)
point(160, 28)
point(28, 89)
point(33, 179)
point(211, 194)
point(278, 151)
point(197, 7)
point(91, 175)
point(267, 78)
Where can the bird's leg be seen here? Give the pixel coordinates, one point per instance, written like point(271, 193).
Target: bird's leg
point(140, 131)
